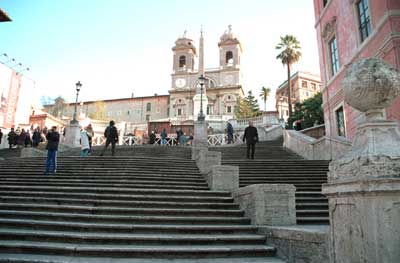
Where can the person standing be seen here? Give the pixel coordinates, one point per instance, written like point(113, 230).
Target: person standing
point(111, 135)
point(90, 134)
point(1, 136)
point(12, 138)
point(36, 137)
point(21, 138)
point(53, 138)
point(229, 130)
point(85, 145)
point(251, 138)
point(164, 137)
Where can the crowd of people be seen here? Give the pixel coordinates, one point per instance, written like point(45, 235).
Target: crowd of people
point(31, 137)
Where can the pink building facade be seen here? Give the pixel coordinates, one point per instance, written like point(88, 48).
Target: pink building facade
point(348, 30)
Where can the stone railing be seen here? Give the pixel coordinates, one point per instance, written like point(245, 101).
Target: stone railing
point(267, 119)
point(324, 148)
point(270, 133)
point(315, 132)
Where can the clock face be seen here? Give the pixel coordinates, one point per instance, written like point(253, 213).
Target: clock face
point(180, 83)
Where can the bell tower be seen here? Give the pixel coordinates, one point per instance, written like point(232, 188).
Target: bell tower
point(230, 50)
point(184, 54)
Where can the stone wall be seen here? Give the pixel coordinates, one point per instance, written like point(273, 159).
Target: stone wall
point(298, 244)
point(315, 132)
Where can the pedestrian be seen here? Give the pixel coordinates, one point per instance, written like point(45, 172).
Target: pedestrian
point(178, 134)
point(152, 137)
point(182, 139)
point(28, 139)
point(53, 139)
point(251, 138)
point(85, 145)
point(90, 134)
point(229, 130)
point(36, 137)
point(111, 135)
point(164, 137)
point(1, 136)
point(21, 138)
point(12, 138)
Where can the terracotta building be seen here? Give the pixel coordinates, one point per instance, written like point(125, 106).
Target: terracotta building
point(346, 32)
point(133, 110)
point(304, 85)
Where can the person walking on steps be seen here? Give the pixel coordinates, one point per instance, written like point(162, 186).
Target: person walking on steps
point(251, 138)
point(229, 130)
point(85, 145)
point(111, 135)
point(53, 138)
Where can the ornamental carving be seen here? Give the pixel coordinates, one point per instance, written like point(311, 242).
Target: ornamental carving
point(329, 29)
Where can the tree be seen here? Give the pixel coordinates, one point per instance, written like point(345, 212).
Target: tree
point(264, 96)
point(247, 107)
point(253, 104)
point(310, 112)
point(46, 100)
point(99, 112)
point(290, 54)
point(59, 107)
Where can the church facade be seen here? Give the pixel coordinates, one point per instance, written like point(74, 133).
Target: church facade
point(222, 87)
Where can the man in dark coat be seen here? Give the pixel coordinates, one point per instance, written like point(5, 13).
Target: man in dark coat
point(36, 137)
point(1, 136)
point(111, 135)
point(251, 138)
point(53, 138)
point(12, 138)
point(229, 130)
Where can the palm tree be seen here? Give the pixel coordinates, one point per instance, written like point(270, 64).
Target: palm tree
point(290, 54)
point(264, 95)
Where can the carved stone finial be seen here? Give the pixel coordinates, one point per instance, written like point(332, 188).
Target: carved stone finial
point(230, 29)
point(370, 85)
point(184, 33)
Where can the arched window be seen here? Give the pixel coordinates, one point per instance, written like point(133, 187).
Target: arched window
point(229, 58)
point(182, 61)
point(148, 107)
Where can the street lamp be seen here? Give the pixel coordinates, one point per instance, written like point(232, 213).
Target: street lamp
point(202, 81)
point(78, 88)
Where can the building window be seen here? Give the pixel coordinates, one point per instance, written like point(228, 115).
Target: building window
point(313, 86)
point(182, 61)
point(334, 56)
point(229, 109)
point(148, 107)
point(286, 112)
point(304, 84)
point(158, 110)
point(179, 112)
point(340, 122)
point(129, 112)
point(229, 58)
point(363, 19)
point(109, 113)
point(210, 110)
point(147, 117)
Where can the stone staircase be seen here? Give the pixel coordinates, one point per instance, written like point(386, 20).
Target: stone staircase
point(274, 164)
point(121, 209)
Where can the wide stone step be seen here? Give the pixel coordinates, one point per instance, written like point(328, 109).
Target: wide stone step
point(123, 219)
point(142, 185)
point(116, 198)
point(308, 206)
point(114, 239)
point(100, 179)
point(37, 258)
point(119, 211)
point(126, 228)
point(120, 251)
point(312, 220)
point(120, 204)
point(312, 213)
point(119, 190)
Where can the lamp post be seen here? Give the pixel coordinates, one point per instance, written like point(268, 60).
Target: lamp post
point(201, 116)
point(78, 88)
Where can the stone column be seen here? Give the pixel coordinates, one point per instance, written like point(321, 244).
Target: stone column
point(73, 135)
point(364, 185)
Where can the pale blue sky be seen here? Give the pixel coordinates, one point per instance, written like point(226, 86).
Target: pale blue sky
point(122, 46)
